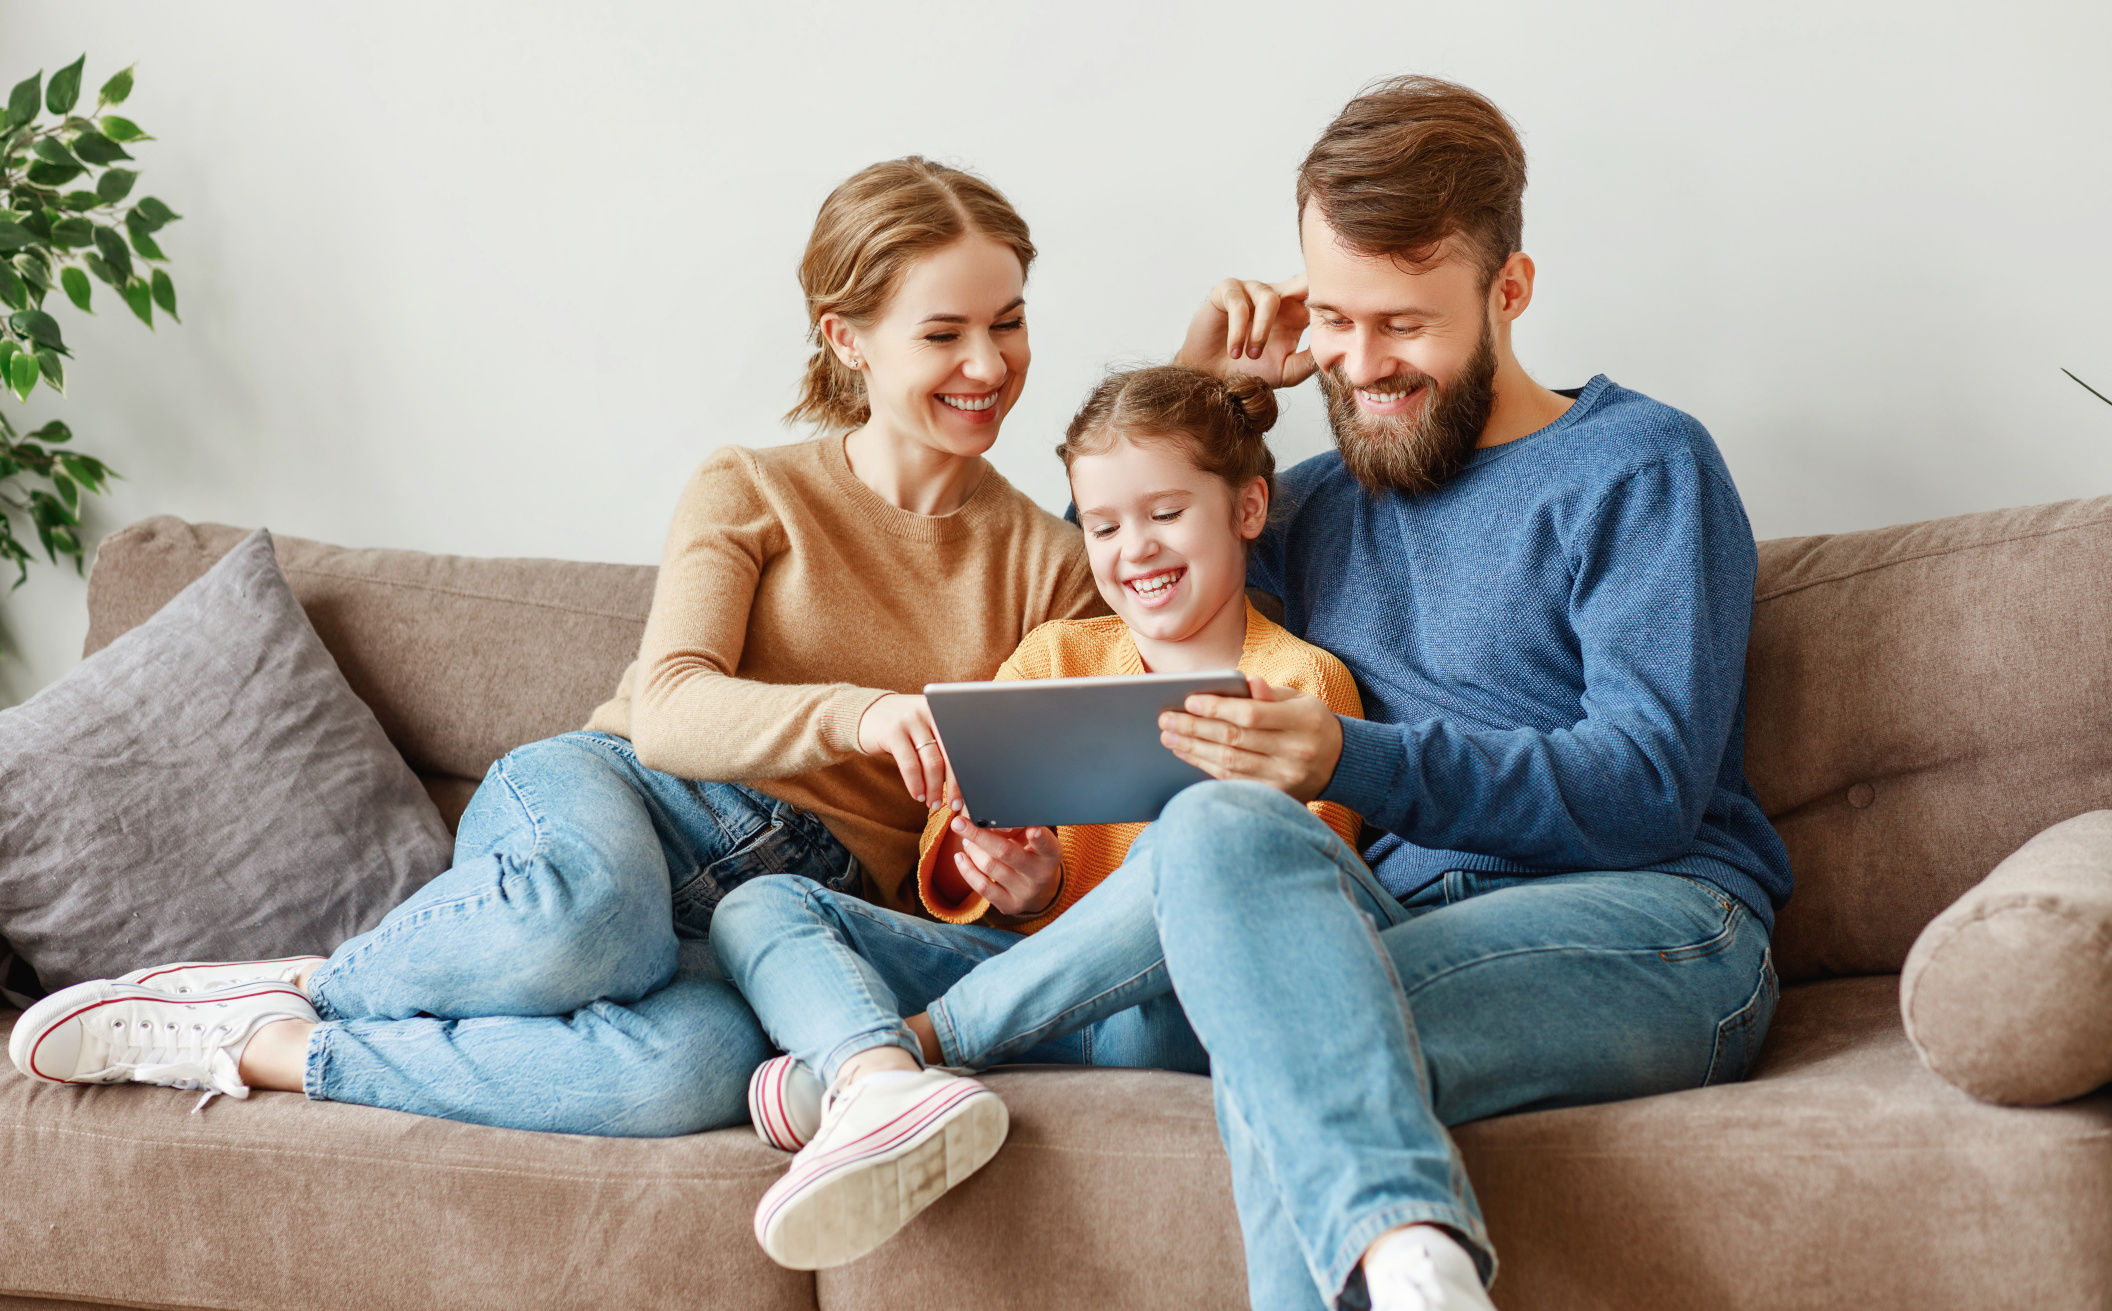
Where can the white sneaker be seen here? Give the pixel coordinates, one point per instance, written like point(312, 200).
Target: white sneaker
point(889, 1146)
point(1421, 1268)
point(784, 1103)
point(103, 1031)
point(207, 976)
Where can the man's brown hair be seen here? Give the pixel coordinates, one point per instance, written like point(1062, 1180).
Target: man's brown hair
point(1413, 161)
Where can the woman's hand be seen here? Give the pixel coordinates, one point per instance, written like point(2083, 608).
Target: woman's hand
point(899, 725)
point(1251, 327)
point(1288, 740)
point(1017, 870)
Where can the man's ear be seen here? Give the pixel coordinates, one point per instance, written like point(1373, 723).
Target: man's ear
point(842, 338)
point(1512, 289)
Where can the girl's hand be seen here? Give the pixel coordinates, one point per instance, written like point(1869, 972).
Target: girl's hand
point(1017, 870)
point(899, 725)
point(1251, 327)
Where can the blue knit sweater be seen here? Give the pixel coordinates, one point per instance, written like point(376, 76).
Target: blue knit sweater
point(1551, 650)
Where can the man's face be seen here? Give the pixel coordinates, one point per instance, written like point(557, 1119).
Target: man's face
point(1407, 359)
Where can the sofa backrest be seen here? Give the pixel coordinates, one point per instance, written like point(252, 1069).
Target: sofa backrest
point(462, 659)
point(1921, 700)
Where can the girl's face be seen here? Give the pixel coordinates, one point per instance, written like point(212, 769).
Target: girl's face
point(946, 362)
point(1167, 541)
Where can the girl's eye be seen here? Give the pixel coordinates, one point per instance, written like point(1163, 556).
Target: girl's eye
point(1167, 516)
point(1103, 531)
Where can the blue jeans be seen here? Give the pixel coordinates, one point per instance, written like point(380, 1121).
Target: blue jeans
point(1345, 1030)
point(557, 978)
point(831, 976)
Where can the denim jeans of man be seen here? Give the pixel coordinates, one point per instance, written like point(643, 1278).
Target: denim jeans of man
point(557, 977)
point(831, 976)
point(1345, 1030)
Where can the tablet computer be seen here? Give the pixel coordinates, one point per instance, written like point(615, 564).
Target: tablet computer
point(1047, 751)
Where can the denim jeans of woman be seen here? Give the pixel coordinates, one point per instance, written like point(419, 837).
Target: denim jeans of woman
point(557, 977)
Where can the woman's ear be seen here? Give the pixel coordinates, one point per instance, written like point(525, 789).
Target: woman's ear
point(1250, 512)
point(842, 338)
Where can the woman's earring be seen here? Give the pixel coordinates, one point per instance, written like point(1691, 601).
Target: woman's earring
point(856, 363)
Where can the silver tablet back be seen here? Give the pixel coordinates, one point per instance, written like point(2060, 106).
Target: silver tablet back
point(1068, 750)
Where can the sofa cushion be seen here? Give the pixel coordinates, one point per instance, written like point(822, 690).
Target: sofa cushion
point(461, 659)
point(279, 1202)
point(2008, 994)
point(1921, 700)
point(207, 787)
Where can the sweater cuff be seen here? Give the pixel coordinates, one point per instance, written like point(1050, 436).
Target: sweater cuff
point(1367, 776)
point(840, 715)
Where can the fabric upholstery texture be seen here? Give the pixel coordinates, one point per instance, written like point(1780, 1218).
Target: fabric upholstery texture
point(1921, 700)
point(205, 787)
point(2008, 993)
point(460, 659)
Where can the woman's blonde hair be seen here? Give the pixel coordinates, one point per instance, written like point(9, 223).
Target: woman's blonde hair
point(881, 220)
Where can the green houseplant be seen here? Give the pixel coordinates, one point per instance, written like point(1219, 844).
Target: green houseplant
point(66, 214)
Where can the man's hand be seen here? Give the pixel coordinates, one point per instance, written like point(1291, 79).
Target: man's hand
point(899, 725)
point(1285, 739)
point(1251, 327)
point(1017, 870)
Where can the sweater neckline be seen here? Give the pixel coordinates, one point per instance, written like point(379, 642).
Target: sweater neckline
point(1583, 400)
point(889, 518)
point(1131, 661)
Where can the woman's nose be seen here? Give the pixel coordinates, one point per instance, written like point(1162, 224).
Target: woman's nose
point(984, 363)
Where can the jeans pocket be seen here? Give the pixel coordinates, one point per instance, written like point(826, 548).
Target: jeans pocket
point(1739, 1036)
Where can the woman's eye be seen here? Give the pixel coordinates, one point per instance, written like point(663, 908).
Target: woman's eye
point(1008, 325)
point(941, 338)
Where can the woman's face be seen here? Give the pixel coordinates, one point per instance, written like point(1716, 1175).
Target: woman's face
point(945, 363)
point(1167, 541)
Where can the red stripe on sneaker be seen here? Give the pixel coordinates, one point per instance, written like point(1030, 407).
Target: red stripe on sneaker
point(868, 1146)
point(206, 964)
point(280, 990)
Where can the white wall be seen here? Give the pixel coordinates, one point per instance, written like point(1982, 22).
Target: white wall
point(492, 277)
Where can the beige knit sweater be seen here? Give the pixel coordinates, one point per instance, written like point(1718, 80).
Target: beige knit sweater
point(791, 597)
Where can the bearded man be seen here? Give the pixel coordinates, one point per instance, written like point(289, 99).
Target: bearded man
point(1544, 597)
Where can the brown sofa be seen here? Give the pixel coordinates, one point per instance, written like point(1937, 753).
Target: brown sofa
point(1923, 700)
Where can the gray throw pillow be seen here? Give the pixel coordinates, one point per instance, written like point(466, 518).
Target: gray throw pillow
point(206, 787)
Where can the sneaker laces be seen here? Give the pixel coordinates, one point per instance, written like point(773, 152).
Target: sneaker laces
point(190, 1057)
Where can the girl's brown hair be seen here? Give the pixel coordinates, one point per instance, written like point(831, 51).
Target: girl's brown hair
point(881, 220)
point(1221, 421)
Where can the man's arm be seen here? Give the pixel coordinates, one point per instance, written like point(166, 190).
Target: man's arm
point(1661, 605)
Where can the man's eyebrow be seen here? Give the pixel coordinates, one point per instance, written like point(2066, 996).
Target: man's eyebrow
point(1406, 312)
point(1017, 301)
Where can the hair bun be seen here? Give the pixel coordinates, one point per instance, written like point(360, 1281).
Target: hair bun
point(1253, 400)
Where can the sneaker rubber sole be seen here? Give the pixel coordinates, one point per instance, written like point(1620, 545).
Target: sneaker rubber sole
point(833, 1210)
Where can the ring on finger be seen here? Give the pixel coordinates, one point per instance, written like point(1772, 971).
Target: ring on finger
point(927, 742)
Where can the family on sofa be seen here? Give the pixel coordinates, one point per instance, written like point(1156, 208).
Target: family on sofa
point(1481, 841)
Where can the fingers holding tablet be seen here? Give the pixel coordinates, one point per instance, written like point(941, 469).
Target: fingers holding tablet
point(1285, 739)
point(1017, 870)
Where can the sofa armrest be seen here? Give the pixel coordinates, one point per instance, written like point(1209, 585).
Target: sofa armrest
point(2008, 993)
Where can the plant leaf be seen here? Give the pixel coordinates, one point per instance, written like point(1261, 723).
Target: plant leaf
point(121, 129)
point(47, 174)
point(141, 298)
point(147, 247)
point(95, 148)
point(36, 270)
point(87, 472)
point(13, 236)
point(49, 148)
point(65, 88)
point(79, 200)
point(22, 373)
point(117, 88)
point(77, 288)
point(55, 434)
point(38, 327)
point(100, 267)
point(68, 493)
point(54, 372)
point(22, 101)
point(72, 232)
point(164, 293)
point(115, 184)
point(113, 248)
point(12, 293)
point(155, 213)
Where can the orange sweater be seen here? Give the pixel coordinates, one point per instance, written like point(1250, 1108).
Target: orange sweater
point(1083, 648)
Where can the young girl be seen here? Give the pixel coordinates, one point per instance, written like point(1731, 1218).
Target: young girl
point(1171, 475)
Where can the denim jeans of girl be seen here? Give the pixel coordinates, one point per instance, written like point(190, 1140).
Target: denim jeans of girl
point(557, 977)
point(1345, 1030)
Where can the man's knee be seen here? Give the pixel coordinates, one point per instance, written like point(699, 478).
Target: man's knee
point(1215, 838)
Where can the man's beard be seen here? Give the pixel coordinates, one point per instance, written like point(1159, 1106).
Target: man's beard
point(1419, 452)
